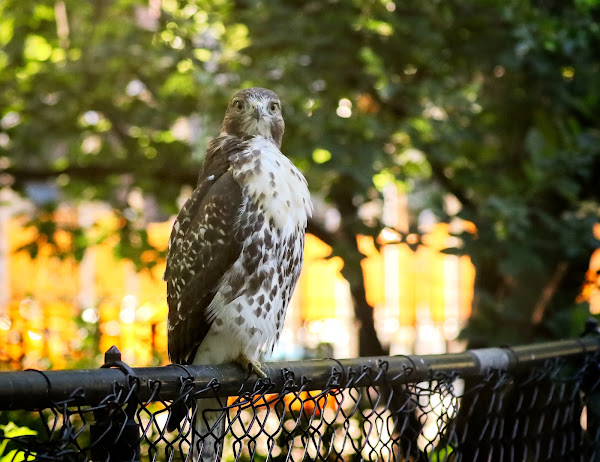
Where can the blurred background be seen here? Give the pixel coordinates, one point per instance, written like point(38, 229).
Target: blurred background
point(452, 149)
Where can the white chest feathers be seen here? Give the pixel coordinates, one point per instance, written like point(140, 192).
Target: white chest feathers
point(270, 179)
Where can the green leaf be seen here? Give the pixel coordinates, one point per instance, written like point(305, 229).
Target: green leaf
point(37, 48)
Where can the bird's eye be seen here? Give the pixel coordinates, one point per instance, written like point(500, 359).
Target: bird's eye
point(238, 105)
point(273, 106)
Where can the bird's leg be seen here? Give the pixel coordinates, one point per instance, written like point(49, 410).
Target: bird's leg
point(243, 360)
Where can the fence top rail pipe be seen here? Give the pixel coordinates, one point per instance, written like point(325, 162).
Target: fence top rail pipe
point(33, 389)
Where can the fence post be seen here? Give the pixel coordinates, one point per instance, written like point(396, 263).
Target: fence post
point(115, 432)
point(591, 388)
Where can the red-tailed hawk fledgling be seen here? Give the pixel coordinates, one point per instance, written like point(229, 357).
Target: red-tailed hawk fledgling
point(236, 250)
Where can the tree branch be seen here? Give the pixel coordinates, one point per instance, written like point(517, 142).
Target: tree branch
point(98, 172)
point(317, 229)
point(549, 290)
point(442, 179)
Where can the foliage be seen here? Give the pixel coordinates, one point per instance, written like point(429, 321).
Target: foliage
point(10, 430)
point(493, 102)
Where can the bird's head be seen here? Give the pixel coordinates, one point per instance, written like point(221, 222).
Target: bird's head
point(252, 112)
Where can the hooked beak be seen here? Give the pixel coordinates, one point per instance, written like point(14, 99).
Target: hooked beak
point(257, 113)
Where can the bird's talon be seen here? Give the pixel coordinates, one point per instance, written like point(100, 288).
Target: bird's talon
point(256, 368)
point(252, 365)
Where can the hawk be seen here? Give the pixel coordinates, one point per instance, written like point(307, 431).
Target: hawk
point(235, 251)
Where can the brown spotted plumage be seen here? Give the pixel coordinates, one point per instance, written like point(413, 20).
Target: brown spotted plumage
point(235, 251)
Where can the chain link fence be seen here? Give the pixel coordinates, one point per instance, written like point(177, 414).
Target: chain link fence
point(529, 403)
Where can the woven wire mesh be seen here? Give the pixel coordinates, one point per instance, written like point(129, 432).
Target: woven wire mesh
point(363, 412)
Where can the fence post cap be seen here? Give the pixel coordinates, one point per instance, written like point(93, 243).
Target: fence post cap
point(112, 355)
point(591, 327)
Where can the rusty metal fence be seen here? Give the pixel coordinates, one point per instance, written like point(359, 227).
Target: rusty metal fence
point(527, 403)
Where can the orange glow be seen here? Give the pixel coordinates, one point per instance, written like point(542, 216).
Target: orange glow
point(407, 278)
point(42, 330)
point(315, 248)
point(401, 281)
point(158, 234)
point(372, 268)
point(317, 281)
point(42, 325)
point(310, 402)
point(591, 287)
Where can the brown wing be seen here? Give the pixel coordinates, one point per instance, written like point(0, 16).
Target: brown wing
point(204, 244)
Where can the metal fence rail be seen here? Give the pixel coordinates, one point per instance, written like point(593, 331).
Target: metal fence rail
point(527, 403)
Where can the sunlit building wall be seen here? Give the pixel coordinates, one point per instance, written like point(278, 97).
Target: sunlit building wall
point(591, 287)
point(57, 312)
point(422, 296)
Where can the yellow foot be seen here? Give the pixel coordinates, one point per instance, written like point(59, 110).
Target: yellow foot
point(243, 361)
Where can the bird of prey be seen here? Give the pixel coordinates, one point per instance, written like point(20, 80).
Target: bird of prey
point(235, 252)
